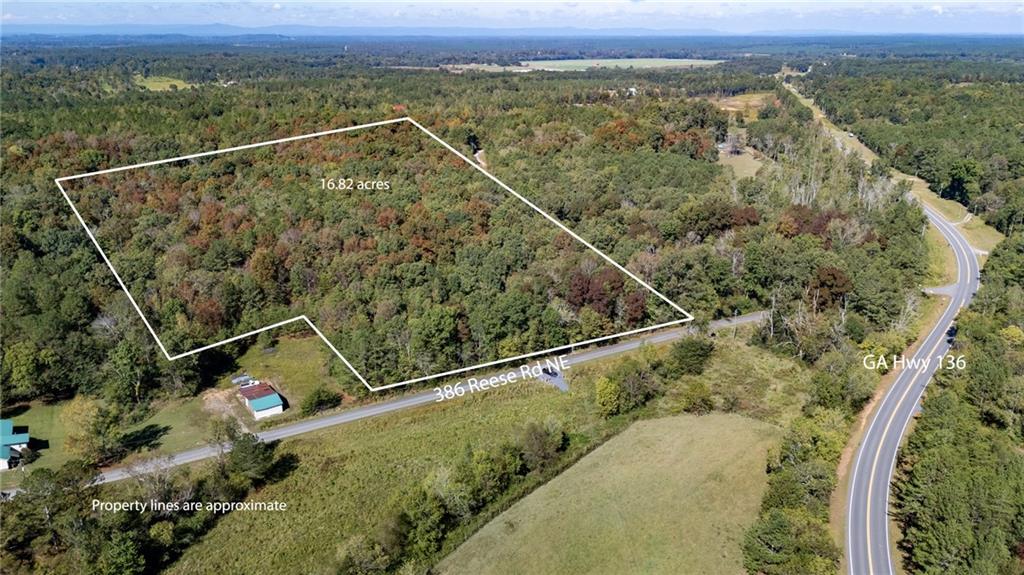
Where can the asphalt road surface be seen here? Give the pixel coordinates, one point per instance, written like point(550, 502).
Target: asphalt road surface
point(403, 402)
point(867, 527)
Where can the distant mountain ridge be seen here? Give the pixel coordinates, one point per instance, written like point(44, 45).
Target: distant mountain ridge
point(210, 30)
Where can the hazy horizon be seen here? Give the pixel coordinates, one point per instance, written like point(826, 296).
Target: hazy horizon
point(600, 18)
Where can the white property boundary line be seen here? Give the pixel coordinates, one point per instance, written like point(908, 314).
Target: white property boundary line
point(687, 317)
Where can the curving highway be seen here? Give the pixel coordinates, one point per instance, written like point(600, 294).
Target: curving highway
point(867, 524)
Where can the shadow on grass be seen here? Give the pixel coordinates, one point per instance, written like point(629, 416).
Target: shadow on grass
point(36, 444)
point(12, 411)
point(284, 465)
point(147, 437)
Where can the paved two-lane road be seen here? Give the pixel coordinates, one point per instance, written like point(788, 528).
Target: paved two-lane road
point(407, 401)
point(867, 524)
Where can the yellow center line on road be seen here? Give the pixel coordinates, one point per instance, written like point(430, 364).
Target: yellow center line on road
point(885, 430)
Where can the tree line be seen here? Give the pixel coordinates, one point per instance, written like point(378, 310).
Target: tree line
point(959, 485)
point(956, 125)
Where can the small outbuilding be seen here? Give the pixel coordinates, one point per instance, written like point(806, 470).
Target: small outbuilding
point(261, 399)
point(11, 444)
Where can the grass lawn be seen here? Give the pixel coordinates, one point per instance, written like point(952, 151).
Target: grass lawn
point(160, 83)
point(183, 423)
point(743, 165)
point(670, 495)
point(941, 261)
point(46, 431)
point(186, 424)
point(586, 64)
point(981, 235)
point(295, 366)
point(348, 477)
point(175, 425)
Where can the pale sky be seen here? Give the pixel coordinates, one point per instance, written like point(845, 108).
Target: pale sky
point(729, 17)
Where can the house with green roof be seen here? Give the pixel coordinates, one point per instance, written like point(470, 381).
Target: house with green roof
point(11, 444)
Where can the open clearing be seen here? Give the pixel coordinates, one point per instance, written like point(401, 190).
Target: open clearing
point(160, 83)
point(744, 165)
point(349, 477)
point(581, 65)
point(46, 432)
point(760, 384)
point(173, 426)
point(748, 104)
point(294, 367)
point(671, 495)
point(587, 64)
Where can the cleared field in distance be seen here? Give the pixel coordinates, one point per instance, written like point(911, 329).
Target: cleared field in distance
point(671, 495)
point(160, 83)
point(744, 165)
point(579, 65)
point(748, 104)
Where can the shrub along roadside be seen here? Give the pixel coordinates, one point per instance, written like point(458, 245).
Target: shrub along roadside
point(791, 534)
point(415, 530)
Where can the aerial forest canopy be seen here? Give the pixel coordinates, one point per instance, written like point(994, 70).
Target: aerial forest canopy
point(624, 158)
point(954, 124)
point(410, 260)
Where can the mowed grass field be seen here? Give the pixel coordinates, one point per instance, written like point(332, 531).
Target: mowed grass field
point(295, 366)
point(174, 425)
point(587, 64)
point(160, 83)
point(670, 495)
point(46, 431)
point(941, 261)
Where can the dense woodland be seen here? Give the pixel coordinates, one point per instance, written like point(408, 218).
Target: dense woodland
point(960, 483)
point(954, 124)
point(633, 175)
point(417, 264)
point(442, 267)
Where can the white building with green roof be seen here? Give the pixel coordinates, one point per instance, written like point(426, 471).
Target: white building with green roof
point(11, 444)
